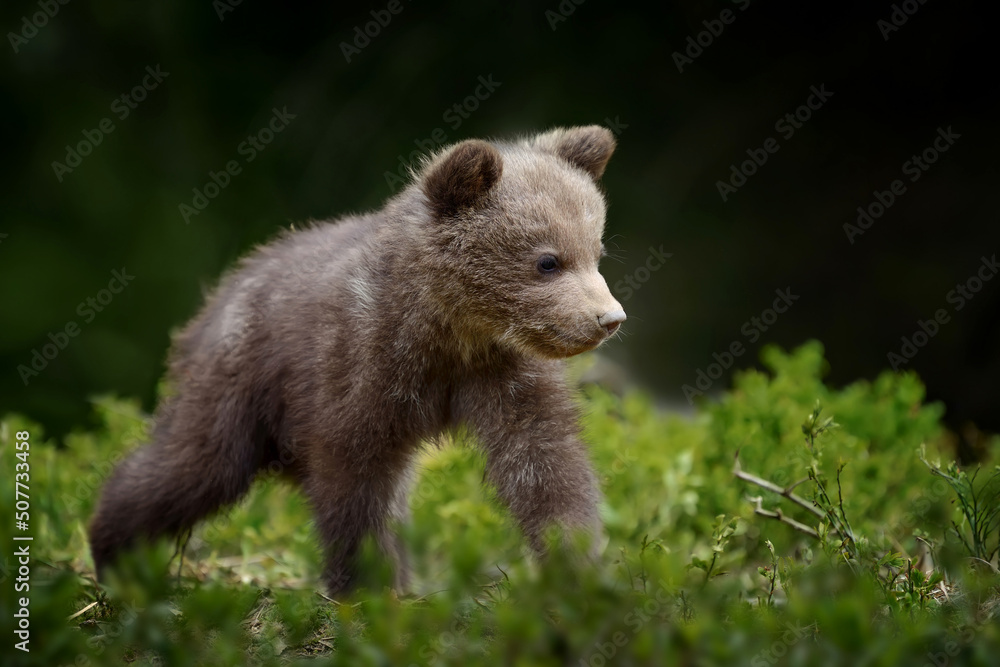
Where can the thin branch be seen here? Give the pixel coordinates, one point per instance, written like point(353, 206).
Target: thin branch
point(986, 563)
point(774, 488)
point(777, 515)
point(70, 618)
point(840, 503)
point(795, 484)
point(422, 597)
point(339, 604)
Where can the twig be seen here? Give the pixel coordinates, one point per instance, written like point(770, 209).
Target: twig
point(774, 488)
point(986, 563)
point(70, 618)
point(840, 503)
point(339, 604)
point(182, 542)
point(427, 595)
point(801, 527)
point(329, 599)
point(795, 484)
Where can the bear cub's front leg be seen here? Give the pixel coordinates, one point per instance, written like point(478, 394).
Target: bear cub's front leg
point(536, 460)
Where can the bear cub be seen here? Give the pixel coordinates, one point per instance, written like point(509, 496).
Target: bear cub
point(333, 351)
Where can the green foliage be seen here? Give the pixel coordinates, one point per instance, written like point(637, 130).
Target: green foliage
point(787, 523)
point(979, 502)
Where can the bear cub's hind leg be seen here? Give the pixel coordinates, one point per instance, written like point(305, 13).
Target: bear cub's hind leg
point(352, 505)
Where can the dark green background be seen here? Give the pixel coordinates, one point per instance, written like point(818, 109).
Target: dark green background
point(680, 133)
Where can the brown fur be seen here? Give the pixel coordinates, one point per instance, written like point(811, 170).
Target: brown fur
point(336, 349)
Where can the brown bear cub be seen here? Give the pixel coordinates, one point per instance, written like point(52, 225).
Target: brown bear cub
point(333, 351)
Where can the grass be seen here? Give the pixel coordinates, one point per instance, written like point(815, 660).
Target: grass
point(786, 523)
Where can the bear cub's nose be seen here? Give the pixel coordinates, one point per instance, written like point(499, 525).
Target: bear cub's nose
point(611, 320)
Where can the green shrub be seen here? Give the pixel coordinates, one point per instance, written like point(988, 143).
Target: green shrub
point(837, 544)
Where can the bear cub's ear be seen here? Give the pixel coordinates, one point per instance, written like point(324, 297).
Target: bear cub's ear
point(588, 148)
point(463, 177)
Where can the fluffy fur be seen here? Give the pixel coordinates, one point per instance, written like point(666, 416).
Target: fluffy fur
point(337, 349)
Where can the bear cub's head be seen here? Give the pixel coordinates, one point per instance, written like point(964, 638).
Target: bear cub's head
point(515, 230)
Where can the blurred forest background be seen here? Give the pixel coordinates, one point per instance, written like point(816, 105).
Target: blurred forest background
point(353, 107)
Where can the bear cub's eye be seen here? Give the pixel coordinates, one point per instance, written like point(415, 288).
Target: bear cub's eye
point(548, 264)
